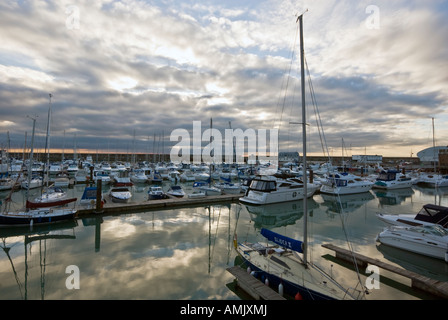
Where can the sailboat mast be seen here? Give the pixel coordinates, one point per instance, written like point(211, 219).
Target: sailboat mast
point(305, 178)
point(47, 146)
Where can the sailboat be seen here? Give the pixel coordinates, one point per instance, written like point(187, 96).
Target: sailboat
point(35, 216)
point(281, 263)
point(52, 196)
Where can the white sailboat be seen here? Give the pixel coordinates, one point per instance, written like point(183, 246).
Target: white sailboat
point(282, 264)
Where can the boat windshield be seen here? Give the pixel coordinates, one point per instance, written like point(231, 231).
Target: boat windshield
point(434, 230)
point(262, 185)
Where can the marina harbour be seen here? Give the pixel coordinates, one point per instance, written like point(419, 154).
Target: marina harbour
point(182, 253)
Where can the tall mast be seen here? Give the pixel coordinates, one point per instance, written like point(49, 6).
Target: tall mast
point(30, 167)
point(47, 145)
point(305, 179)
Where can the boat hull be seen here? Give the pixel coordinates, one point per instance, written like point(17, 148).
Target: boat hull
point(260, 198)
point(37, 217)
point(295, 277)
point(426, 247)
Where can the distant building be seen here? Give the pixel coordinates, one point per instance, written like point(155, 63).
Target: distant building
point(431, 155)
point(288, 156)
point(367, 158)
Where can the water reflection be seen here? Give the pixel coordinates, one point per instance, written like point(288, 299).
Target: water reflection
point(18, 245)
point(184, 253)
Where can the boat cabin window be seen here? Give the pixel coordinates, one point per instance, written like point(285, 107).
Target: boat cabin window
point(262, 185)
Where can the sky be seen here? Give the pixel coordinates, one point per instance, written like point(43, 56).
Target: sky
point(125, 74)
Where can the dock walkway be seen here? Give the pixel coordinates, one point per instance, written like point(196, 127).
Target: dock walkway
point(112, 208)
point(432, 286)
point(254, 287)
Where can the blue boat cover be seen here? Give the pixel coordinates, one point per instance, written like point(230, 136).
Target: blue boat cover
point(283, 241)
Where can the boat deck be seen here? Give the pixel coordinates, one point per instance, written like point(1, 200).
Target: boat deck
point(254, 287)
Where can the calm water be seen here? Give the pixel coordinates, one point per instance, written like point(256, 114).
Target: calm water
point(183, 253)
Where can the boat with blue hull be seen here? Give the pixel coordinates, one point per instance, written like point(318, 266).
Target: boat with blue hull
point(280, 265)
point(36, 217)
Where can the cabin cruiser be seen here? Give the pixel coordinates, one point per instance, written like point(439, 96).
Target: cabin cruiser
point(345, 183)
point(428, 240)
point(429, 214)
point(176, 191)
point(268, 189)
point(392, 179)
point(156, 193)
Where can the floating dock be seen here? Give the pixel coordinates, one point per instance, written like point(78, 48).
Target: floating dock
point(254, 287)
point(432, 286)
point(169, 203)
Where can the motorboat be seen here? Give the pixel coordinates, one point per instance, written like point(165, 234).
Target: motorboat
point(103, 176)
point(197, 194)
point(36, 217)
point(428, 240)
point(434, 180)
point(345, 183)
point(205, 187)
point(89, 197)
point(392, 179)
point(61, 180)
point(156, 193)
point(34, 182)
point(229, 188)
point(429, 214)
point(187, 176)
point(138, 176)
point(268, 189)
point(176, 191)
point(6, 183)
point(120, 194)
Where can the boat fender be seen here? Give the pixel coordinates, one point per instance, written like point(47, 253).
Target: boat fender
point(280, 289)
point(248, 270)
point(266, 281)
point(253, 274)
point(298, 296)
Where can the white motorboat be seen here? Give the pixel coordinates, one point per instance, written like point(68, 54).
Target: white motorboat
point(138, 176)
point(103, 176)
point(229, 188)
point(434, 180)
point(187, 176)
point(156, 193)
point(345, 183)
point(268, 189)
point(197, 194)
point(176, 191)
point(121, 194)
point(428, 240)
point(34, 182)
point(206, 188)
point(6, 183)
point(392, 179)
point(429, 214)
point(61, 180)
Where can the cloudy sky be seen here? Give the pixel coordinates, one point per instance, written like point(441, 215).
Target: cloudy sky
point(144, 67)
